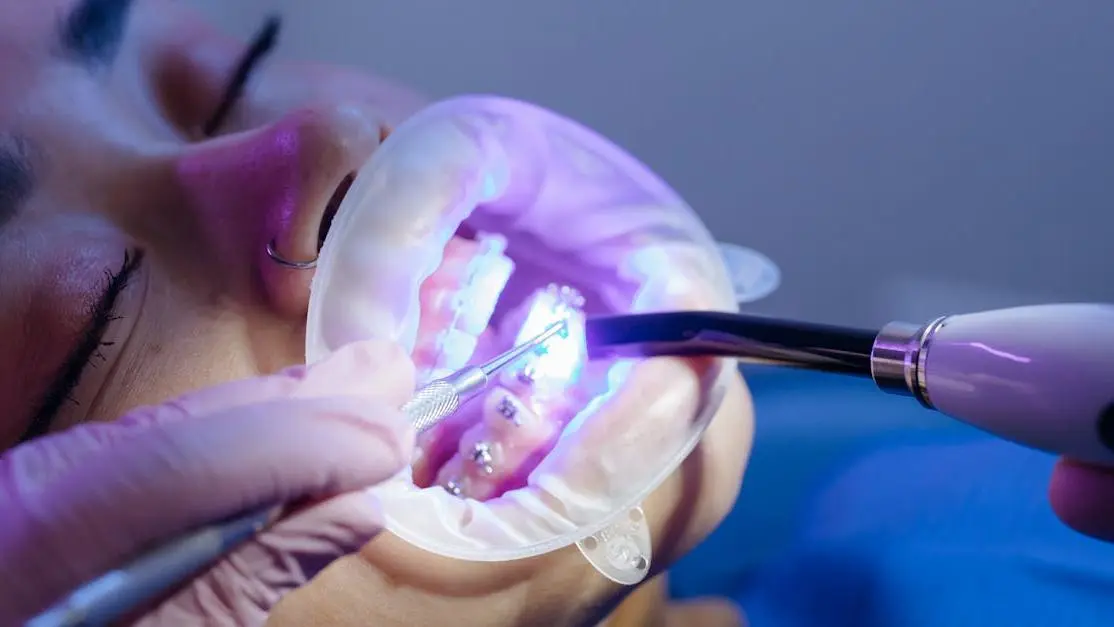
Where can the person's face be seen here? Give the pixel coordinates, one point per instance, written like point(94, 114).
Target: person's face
point(133, 262)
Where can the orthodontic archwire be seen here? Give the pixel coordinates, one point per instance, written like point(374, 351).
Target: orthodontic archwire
point(440, 398)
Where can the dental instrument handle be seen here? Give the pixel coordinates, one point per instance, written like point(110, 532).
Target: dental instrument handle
point(438, 399)
point(1041, 376)
point(115, 594)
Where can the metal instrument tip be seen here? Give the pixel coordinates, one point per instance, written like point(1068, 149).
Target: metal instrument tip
point(498, 363)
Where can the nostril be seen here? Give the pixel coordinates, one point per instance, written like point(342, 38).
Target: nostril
point(332, 207)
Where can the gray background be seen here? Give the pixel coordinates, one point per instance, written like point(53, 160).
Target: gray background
point(896, 159)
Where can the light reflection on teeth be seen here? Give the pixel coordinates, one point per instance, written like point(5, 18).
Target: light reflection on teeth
point(458, 301)
point(489, 273)
point(456, 348)
point(523, 418)
point(558, 368)
point(486, 276)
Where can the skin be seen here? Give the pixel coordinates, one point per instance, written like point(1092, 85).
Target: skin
point(121, 166)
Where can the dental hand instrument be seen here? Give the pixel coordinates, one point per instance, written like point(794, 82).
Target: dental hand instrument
point(1040, 376)
point(115, 594)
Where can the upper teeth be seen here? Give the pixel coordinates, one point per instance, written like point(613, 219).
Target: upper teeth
point(473, 304)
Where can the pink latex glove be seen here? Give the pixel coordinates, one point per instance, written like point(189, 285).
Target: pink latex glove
point(1083, 497)
point(84, 501)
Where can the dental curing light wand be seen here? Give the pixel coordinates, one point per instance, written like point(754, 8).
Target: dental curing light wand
point(1041, 376)
point(115, 594)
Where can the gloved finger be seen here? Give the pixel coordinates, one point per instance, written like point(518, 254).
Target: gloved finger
point(375, 368)
point(1083, 497)
point(178, 475)
point(243, 588)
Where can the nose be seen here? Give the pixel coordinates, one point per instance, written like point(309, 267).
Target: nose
point(271, 192)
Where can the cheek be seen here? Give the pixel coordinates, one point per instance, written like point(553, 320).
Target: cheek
point(46, 298)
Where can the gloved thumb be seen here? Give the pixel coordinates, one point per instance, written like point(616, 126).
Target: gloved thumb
point(84, 501)
point(1083, 497)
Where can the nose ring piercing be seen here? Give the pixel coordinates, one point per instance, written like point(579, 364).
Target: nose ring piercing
point(286, 263)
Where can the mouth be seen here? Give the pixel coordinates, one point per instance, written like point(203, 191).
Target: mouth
point(471, 310)
point(493, 442)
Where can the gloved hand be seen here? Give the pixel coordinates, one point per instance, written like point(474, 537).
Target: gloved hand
point(84, 501)
point(1083, 497)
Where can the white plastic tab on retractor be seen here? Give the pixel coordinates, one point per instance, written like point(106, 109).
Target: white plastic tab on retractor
point(753, 275)
point(621, 552)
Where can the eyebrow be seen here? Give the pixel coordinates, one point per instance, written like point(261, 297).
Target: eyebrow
point(91, 33)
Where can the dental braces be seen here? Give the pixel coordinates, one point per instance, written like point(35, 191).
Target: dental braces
point(557, 367)
point(542, 375)
point(485, 277)
point(482, 457)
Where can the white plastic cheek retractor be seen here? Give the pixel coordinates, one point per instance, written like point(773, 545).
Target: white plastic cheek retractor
point(585, 227)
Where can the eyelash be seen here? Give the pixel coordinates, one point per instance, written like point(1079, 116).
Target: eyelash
point(101, 315)
point(261, 45)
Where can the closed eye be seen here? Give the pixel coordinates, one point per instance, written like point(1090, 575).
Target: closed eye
point(261, 45)
point(87, 352)
point(91, 33)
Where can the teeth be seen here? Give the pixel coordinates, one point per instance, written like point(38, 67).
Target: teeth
point(482, 458)
point(553, 371)
point(507, 408)
point(522, 419)
point(488, 274)
point(454, 488)
point(458, 302)
point(456, 349)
